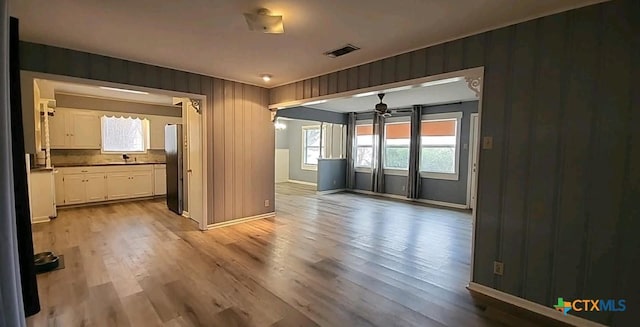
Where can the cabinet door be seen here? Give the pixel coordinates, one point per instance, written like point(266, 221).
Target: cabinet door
point(156, 132)
point(59, 186)
point(74, 189)
point(96, 187)
point(85, 131)
point(58, 133)
point(160, 181)
point(118, 186)
point(142, 183)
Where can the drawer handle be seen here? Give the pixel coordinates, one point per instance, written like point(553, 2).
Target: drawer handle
point(84, 171)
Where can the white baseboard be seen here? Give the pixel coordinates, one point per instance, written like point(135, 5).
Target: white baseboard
point(301, 182)
point(38, 220)
point(241, 220)
point(185, 214)
point(532, 306)
point(404, 198)
point(331, 191)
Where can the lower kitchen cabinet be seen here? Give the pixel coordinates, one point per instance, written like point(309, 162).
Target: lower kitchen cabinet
point(103, 183)
point(96, 187)
point(83, 188)
point(134, 184)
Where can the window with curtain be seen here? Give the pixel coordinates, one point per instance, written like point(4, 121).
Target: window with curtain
point(397, 139)
point(124, 135)
point(364, 146)
point(439, 146)
point(311, 146)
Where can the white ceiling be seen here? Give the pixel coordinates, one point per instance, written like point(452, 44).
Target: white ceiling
point(49, 88)
point(211, 37)
point(429, 95)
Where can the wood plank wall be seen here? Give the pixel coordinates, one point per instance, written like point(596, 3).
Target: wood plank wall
point(239, 129)
point(556, 192)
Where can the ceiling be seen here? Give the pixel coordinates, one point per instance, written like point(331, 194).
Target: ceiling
point(404, 98)
point(211, 36)
point(49, 88)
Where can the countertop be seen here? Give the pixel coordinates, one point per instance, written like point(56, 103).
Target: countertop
point(104, 164)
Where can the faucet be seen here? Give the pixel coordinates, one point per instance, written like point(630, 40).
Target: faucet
point(125, 157)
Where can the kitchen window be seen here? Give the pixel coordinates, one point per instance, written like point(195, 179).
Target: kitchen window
point(364, 145)
point(124, 134)
point(311, 146)
point(440, 146)
point(397, 138)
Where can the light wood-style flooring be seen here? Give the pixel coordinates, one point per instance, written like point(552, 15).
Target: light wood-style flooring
point(329, 260)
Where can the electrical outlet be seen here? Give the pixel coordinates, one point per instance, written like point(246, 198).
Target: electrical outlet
point(335, 182)
point(266, 203)
point(498, 268)
point(404, 188)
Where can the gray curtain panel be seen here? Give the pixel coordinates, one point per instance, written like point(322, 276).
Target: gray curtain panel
point(11, 306)
point(413, 180)
point(377, 175)
point(351, 139)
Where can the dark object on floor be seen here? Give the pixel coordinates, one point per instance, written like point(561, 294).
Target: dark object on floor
point(45, 262)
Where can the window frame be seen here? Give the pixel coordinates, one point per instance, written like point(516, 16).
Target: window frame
point(303, 157)
point(364, 169)
point(145, 134)
point(391, 121)
point(457, 115)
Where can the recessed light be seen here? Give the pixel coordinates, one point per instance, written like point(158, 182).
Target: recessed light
point(122, 90)
point(266, 77)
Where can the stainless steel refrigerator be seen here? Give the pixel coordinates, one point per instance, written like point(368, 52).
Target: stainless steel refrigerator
point(173, 150)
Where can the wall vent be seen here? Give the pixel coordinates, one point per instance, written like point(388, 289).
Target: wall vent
point(342, 51)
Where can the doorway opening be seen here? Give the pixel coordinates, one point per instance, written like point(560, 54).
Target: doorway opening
point(104, 143)
point(416, 140)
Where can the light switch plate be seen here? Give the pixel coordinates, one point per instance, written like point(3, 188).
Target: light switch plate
point(487, 143)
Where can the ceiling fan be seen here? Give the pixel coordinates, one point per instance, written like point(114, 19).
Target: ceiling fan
point(382, 109)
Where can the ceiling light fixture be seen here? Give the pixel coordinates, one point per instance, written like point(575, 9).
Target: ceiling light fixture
point(442, 81)
point(266, 77)
point(314, 102)
point(400, 88)
point(365, 94)
point(122, 90)
point(263, 21)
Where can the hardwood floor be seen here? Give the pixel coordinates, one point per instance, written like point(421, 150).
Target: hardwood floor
point(330, 260)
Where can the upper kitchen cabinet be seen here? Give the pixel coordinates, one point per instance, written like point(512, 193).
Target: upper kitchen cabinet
point(70, 129)
point(156, 130)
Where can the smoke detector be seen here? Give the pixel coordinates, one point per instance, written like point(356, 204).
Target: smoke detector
point(263, 21)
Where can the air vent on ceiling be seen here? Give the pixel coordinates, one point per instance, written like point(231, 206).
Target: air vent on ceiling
point(342, 51)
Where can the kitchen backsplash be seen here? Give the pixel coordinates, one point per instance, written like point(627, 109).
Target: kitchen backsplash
point(68, 156)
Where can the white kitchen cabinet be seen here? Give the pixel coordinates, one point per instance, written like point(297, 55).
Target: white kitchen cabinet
point(95, 187)
point(58, 177)
point(70, 129)
point(74, 190)
point(160, 180)
point(84, 187)
point(118, 184)
point(57, 130)
point(102, 183)
point(156, 130)
point(141, 183)
point(84, 131)
point(41, 195)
